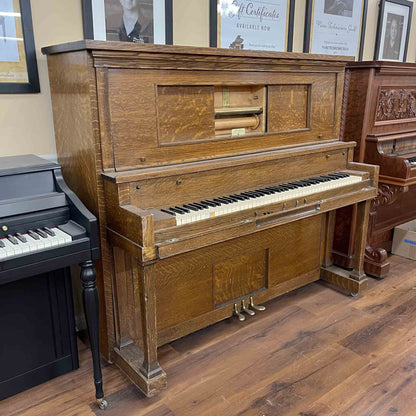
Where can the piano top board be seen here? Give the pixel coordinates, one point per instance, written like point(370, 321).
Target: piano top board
point(11, 165)
point(165, 105)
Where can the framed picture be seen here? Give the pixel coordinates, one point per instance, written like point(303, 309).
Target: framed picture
point(335, 27)
point(140, 21)
point(18, 66)
point(257, 25)
point(393, 28)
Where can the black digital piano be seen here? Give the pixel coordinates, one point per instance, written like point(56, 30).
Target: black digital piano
point(44, 229)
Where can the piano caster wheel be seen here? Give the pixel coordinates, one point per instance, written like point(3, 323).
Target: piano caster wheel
point(246, 310)
point(102, 404)
point(256, 307)
point(354, 295)
point(240, 316)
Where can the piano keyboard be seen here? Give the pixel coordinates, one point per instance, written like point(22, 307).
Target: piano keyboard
point(208, 208)
point(32, 241)
point(412, 160)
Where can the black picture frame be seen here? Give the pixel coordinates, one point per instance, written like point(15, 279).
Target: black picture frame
point(381, 22)
point(32, 86)
point(88, 26)
point(308, 27)
point(213, 24)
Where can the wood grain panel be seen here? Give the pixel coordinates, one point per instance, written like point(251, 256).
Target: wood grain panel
point(192, 284)
point(133, 125)
point(288, 107)
point(239, 276)
point(296, 250)
point(183, 289)
point(77, 133)
point(185, 113)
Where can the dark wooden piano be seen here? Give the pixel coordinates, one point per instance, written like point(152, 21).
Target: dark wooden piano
point(215, 175)
point(381, 118)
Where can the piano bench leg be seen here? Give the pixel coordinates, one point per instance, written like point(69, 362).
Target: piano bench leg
point(91, 309)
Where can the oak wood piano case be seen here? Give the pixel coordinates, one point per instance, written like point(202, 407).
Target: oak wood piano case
point(141, 128)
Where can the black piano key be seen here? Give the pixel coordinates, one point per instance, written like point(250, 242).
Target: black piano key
point(199, 205)
point(13, 240)
point(168, 212)
point(21, 238)
point(183, 209)
point(217, 204)
point(230, 200)
point(211, 204)
point(265, 191)
point(191, 207)
point(221, 201)
point(41, 233)
point(49, 231)
point(178, 211)
point(239, 197)
point(33, 235)
point(206, 206)
point(2, 245)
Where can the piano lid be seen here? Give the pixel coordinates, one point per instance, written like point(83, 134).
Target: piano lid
point(11, 165)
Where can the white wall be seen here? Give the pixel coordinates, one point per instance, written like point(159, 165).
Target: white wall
point(26, 119)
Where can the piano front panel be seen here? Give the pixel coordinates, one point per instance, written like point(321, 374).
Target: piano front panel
point(218, 182)
point(161, 117)
point(197, 284)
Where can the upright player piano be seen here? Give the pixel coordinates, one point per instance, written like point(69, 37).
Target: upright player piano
point(381, 118)
point(44, 229)
point(215, 175)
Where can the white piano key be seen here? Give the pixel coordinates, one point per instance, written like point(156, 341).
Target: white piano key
point(66, 237)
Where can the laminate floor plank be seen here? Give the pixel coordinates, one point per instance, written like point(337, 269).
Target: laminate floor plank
point(313, 352)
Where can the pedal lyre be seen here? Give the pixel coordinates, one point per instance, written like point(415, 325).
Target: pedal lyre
point(240, 316)
point(256, 307)
point(246, 310)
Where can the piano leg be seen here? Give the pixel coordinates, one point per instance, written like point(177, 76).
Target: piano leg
point(363, 212)
point(150, 367)
point(356, 280)
point(90, 299)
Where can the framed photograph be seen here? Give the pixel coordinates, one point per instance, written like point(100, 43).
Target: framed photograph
point(140, 21)
point(18, 66)
point(393, 28)
point(257, 25)
point(335, 27)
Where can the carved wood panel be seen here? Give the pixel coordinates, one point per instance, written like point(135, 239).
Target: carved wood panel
point(396, 104)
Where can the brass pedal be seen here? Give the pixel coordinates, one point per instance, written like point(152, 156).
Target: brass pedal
point(246, 310)
point(256, 307)
point(240, 316)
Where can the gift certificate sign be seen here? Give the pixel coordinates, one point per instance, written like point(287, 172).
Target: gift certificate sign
point(336, 27)
point(257, 25)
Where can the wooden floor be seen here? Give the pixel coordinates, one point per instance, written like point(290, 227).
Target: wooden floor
point(314, 352)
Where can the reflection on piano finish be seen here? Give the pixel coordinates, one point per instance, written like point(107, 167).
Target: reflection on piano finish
point(45, 227)
point(380, 115)
point(217, 175)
